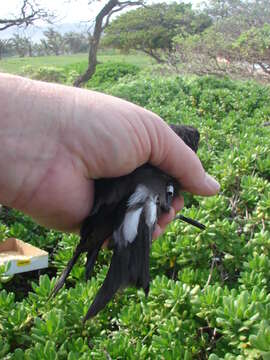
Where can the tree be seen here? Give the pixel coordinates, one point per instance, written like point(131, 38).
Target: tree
point(29, 12)
point(253, 46)
point(248, 13)
point(76, 42)
point(151, 29)
point(101, 22)
point(238, 42)
point(4, 46)
point(30, 47)
point(21, 45)
point(54, 42)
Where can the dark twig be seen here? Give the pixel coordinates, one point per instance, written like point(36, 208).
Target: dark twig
point(29, 13)
point(190, 221)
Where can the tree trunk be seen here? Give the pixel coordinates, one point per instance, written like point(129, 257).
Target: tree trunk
point(154, 56)
point(30, 51)
point(94, 42)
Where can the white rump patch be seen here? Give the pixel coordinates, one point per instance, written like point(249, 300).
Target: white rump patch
point(139, 196)
point(129, 227)
point(139, 200)
point(150, 213)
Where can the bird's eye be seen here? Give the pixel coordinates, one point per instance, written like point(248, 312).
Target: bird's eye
point(170, 190)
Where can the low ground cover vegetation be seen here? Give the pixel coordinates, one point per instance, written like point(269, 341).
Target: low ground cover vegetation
point(210, 293)
point(16, 65)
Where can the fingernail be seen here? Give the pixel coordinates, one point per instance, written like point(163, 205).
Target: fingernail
point(212, 184)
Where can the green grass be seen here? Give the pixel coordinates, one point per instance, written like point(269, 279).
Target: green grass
point(135, 59)
point(15, 65)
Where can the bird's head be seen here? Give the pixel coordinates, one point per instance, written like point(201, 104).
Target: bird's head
point(188, 134)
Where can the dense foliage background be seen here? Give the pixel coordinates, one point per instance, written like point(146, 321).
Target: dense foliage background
point(210, 294)
point(222, 37)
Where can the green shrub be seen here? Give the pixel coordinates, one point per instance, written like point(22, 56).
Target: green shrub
point(109, 73)
point(210, 293)
point(45, 73)
point(106, 74)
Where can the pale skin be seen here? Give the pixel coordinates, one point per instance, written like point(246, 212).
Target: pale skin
point(55, 140)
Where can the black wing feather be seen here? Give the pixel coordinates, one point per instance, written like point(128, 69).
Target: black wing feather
point(129, 266)
point(66, 272)
point(116, 278)
point(90, 262)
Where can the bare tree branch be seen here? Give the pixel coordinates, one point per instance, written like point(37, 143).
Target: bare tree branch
point(29, 13)
point(121, 5)
point(109, 16)
point(132, 3)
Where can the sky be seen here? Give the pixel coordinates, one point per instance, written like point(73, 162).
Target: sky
point(67, 12)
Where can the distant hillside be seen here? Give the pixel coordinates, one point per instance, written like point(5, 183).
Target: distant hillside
point(36, 32)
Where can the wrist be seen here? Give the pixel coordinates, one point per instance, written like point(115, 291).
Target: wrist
point(27, 138)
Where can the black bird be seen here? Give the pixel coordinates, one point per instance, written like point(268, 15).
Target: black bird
point(127, 208)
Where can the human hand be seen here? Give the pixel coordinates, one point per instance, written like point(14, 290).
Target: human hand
point(56, 140)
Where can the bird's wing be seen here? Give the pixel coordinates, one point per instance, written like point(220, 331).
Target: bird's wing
point(130, 260)
point(115, 277)
point(60, 282)
point(93, 234)
point(99, 224)
point(110, 192)
point(101, 231)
